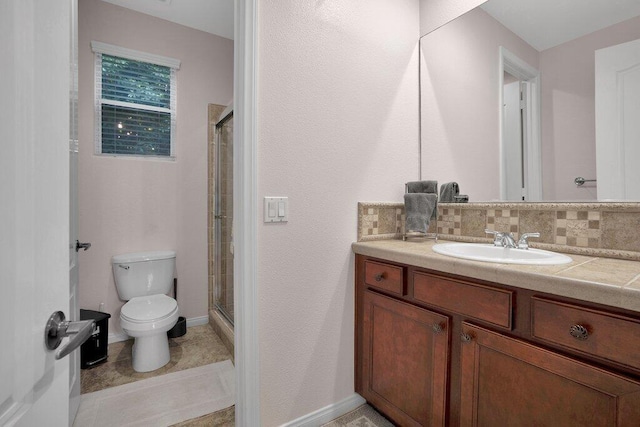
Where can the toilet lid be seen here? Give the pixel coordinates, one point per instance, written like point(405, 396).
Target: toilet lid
point(149, 308)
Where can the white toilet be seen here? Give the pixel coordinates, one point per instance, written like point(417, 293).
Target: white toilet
point(143, 279)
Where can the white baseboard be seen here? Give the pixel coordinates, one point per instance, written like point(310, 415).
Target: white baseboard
point(197, 321)
point(194, 321)
point(328, 413)
point(121, 336)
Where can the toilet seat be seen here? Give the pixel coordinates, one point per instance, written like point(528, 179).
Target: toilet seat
point(147, 309)
point(147, 319)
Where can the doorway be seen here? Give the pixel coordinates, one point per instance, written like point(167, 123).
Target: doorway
point(55, 186)
point(520, 151)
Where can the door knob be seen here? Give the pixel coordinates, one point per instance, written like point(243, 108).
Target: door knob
point(57, 328)
point(84, 246)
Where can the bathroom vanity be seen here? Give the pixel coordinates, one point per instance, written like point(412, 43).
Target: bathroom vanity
point(444, 341)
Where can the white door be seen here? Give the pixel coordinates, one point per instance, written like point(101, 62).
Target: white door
point(512, 142)
point(74, 308)
point(34, 207)
point(618, 121)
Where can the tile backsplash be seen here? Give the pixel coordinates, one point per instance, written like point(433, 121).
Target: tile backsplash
point(600, 229)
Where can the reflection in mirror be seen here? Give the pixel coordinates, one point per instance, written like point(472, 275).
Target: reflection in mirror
point(436, 13)
point(463, 116)
point(519, 139)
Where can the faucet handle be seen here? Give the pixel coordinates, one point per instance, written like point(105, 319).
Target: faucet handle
point(497, 236)
point(523, 243)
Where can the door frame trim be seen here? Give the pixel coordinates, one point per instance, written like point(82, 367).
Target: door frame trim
point(245, 164)
point(509, 62)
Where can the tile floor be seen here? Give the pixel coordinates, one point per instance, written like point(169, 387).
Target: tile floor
point(200, 346)
point(224, 418)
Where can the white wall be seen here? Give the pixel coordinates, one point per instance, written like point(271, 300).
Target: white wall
point(132, 204)
point(435, 13)
point(337, 124)
point(460, 102)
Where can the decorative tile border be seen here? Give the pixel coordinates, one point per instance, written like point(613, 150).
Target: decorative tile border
point(382, 220)
point(578, 228)
point(377, 221)
point(609, 230)
point(503, 220)
point(450, 221)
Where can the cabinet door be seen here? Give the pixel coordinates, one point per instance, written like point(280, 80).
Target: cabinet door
point(507, 382)
point(405, 360)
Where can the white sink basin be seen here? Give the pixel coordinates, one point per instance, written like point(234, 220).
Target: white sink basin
point(490, 253)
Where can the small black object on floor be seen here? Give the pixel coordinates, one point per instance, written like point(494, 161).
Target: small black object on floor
point(94, 350)
point(179, 328)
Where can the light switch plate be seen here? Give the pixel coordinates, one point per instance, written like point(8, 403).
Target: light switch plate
point(276, 209)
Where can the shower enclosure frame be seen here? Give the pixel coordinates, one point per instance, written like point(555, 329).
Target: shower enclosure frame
point(223, 220)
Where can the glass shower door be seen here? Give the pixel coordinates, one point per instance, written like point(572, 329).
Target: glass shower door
point(224, 217)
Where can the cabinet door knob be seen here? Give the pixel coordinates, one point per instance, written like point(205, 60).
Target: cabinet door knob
point(466, 337)
point(579, 332)
point(437, 327)
point(379, 277)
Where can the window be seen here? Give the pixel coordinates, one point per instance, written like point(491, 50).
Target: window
point(135, 102)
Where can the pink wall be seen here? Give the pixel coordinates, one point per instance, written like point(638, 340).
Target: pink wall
point(337, 124)
point(133, 204)
point(435, 13)
point(460, 105)
point(568, 113)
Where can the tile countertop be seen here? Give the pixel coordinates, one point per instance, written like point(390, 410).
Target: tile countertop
point(608, 281)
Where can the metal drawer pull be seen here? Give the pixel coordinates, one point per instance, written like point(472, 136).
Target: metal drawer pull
point(437, 327)
point(379, 277)
point(466, 337)
point(579, 332)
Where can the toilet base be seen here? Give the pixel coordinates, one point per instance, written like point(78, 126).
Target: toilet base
point(150, 352)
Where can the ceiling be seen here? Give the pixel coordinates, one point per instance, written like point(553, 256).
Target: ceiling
point(212, 16)
point(541, 23)
point(547, 23)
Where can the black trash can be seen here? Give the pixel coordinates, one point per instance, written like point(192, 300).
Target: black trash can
point(179, 329)
point(94, 350)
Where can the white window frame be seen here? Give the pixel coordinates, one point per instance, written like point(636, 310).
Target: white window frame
point(100, 48)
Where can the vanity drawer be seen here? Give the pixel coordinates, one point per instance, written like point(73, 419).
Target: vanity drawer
point(384, 276)
point(594, 332)
point(492, 305)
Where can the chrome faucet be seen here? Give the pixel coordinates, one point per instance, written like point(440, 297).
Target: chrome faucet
point(505, 240)
point(497, 237)
point(508, 241)
point(523, 243)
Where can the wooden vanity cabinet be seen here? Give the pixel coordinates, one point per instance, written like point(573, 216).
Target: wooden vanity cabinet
point(402, 355)
point(405, 360)
point(436, 349)
point(509, 382)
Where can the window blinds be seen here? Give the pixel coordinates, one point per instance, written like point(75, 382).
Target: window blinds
point(135, 106)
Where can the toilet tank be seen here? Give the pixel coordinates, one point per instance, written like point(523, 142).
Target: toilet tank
point(143, 273)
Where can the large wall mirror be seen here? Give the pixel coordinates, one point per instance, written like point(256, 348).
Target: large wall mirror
point(520, 98)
